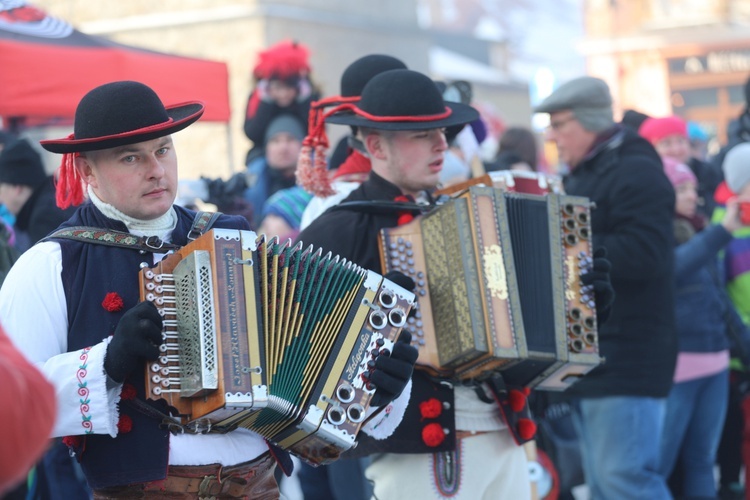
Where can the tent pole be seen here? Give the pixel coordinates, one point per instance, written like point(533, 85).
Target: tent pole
point(230, 149)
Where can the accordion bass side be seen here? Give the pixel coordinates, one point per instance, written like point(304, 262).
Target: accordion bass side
point(498, 286)
point(271, 337)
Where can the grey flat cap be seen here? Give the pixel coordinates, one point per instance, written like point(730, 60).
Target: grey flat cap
point(587, 97)
point(583, 92)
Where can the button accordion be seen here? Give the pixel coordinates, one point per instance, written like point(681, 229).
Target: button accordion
point(272, 337)
point(498, 286)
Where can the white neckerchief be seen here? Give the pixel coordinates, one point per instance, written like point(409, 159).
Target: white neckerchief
point(161, 227)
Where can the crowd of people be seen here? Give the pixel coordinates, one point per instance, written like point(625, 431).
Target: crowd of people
point(671, 230)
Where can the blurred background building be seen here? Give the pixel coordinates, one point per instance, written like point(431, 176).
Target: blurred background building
point(687, 57)
point(501, 46)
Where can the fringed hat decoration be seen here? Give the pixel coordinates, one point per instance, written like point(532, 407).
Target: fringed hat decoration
point(112, 115)
point(286, 60)
point(312, 168)
point(398, 99)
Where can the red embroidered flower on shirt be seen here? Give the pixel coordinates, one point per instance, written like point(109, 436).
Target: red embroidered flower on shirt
point(112, 302)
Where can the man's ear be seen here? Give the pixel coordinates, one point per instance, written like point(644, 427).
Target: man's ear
point(376, 147)
point(85, 170)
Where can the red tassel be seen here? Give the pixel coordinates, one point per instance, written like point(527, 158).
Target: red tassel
point(517, 400)
point(69, 185)
point(125, 424)
point(433, 435)
point(312, 166)
point(432, 408)
point(112, 302)
point(526, 428)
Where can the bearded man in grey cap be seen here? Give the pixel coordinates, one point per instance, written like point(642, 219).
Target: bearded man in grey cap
point(618, 408)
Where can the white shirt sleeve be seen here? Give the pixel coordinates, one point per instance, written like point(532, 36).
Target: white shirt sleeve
point(33, 312)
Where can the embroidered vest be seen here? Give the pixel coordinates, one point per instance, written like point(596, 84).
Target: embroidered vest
point(91, 271)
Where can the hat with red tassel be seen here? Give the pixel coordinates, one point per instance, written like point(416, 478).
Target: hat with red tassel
point(312, 171)
point(112, 115)
point(398, 99)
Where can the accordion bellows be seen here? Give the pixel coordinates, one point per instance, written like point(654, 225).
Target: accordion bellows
point(498, 286)
point(272, 337)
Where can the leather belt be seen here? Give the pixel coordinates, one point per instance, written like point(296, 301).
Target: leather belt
point(252, 479)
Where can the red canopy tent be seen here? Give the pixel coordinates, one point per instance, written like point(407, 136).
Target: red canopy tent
point(46, 66)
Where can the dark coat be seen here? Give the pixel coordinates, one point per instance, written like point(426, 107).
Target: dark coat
point(39, 216)
point(354, 236)
point(633, 219)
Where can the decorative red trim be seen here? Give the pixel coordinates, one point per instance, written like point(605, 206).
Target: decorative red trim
point(433, 435)
point(432, 408)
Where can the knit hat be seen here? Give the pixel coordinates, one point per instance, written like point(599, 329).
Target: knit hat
point(21, 164)
point(589, 100)
point(289, 204)
point(112, 115)
point(736, 167)
point(656, 129)
point(696, 133)
point(284, 123)
point(286, 60)
point(677, 172)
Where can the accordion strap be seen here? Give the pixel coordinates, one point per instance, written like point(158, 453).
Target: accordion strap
point(110, 237)
point(382, 206)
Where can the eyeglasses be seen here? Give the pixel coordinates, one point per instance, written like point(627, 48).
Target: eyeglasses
point(557, 125)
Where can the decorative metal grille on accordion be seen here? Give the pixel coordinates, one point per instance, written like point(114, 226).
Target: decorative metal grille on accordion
point(275, 338)
point(498, 286)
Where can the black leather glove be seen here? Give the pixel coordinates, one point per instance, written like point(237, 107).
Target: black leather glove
point(391, 373)
point(137, 338)
point(598, 280)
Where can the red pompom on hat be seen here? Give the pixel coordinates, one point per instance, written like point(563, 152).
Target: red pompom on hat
point(112, 302)
point(656, 129)
point(526, 428)
point(432, 408)
point(433, 435)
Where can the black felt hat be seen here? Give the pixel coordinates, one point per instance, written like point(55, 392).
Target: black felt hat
point(402, 99)
point(361, 71)
point(121, 113)
point(21, 164)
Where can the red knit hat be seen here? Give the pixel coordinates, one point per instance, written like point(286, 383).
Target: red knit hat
point(285, 60)
point(656, 129)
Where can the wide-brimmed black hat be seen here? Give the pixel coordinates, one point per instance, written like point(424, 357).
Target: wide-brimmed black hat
point(403, 99)
point(121, 113)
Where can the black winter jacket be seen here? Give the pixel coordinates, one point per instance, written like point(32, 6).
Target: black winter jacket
point(633, 219)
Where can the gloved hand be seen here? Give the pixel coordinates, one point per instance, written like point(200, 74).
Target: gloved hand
point(392, 373)
point(137, 338)
point(401, 280)
point(598, 279)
